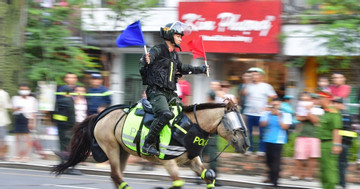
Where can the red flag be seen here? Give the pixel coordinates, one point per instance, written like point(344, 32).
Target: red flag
point(197, 48)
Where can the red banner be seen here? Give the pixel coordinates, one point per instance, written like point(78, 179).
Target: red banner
point(233, 27)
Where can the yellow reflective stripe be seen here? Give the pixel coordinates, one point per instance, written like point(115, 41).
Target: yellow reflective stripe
point(171, 71)
point(211, 185)
point(180, 128)
point(203, 174)
point(60, 117)
point(348, 133)
point(107, 93)
point(178, 183)
point(124, 185)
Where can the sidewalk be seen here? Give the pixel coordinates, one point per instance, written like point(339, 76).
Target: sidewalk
point(134, 170)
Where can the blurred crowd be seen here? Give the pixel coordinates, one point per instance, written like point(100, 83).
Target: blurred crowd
point(73, 104)
point(324, 128)
point(321, 122)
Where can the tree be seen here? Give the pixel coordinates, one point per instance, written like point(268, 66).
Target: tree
point(49, 51)
point(339, 23)
point(12, 23)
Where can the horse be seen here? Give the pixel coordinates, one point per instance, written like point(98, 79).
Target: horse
point(220, 118)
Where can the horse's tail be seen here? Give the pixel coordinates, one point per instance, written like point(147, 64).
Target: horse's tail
point(80, 144)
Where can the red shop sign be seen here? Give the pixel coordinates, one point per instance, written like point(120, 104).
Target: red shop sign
point(233, 27)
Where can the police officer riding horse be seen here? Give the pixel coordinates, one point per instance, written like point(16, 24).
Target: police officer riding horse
point(160, 72)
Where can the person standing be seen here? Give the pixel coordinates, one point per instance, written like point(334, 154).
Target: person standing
point(328, 133)
point(159, 73)
point(341, 92)
point(80, 104)
point(98, 94)
point(257, 94)
point(4, 120)
point(71, 80)
point(211, 149)
point(307, 145)
point(246, 79)
point(339, 89)
point(275, 123)
point(24, 109)
point(185, 90)
point(64, 116)
point(225, 91)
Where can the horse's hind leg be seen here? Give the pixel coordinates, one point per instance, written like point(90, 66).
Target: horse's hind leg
point(124, 156)
point(117, 166)
point(112, 149)
point(173, 170)
point(207, 175)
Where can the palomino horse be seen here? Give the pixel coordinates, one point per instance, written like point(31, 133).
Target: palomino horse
point(211, 118)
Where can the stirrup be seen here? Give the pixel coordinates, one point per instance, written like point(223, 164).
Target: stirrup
point(151, 150)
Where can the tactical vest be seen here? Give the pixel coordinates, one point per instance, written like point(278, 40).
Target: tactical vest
point(161, 72)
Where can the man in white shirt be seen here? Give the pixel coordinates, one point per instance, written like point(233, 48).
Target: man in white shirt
point(4, 120)
point(257, 94)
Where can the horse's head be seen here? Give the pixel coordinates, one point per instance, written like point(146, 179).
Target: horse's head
point(233, 128)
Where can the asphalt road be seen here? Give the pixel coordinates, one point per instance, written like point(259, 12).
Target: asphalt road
point(31, 179)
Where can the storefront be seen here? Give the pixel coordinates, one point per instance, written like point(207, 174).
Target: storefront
point(236, 36)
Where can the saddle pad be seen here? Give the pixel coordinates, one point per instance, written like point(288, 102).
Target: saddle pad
point(132, 125)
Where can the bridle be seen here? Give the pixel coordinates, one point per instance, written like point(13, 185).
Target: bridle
point(242, 129)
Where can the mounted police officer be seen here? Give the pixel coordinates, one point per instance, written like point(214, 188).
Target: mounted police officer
point(160, 72)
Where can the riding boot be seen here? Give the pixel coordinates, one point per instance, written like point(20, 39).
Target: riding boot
point(155, 128)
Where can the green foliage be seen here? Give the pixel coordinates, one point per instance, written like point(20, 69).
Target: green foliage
point(126, 8)
point(298, 62)
point(339, 23)
point(11, 42)
point(49, 53)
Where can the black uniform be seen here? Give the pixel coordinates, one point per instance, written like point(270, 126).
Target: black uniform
point(161, 77)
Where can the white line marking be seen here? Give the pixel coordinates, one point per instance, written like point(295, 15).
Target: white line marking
point(67, 186)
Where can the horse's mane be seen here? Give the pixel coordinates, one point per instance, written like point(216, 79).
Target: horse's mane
point(203, 106)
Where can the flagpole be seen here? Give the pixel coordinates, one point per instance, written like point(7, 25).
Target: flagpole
point(206, 64)
point(145, 49)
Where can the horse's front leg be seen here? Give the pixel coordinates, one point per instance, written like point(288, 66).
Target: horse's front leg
point(208, 175)
point(173, 170)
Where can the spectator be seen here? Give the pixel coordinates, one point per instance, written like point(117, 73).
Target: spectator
point(64, 116)
point(24, 112)
point(276, 123)
point(339, 89)
point(288, 108)
point(184, 90)
point(211, 149)
point(215, 86)
point(323, 84)
point(98, 94)
point(307, 145)
point(246, 79)
point(70, 80)
point(225, 87)
point(341, 92)
point(4, 120)
point(347, 134)
point(257, 94)
point(80, 104)
point(328, 132)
